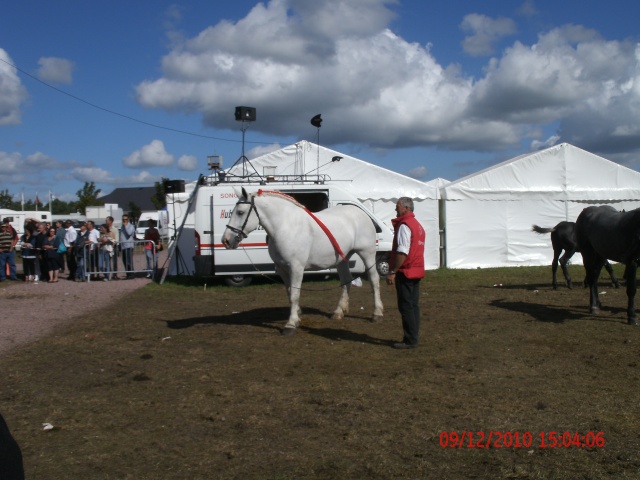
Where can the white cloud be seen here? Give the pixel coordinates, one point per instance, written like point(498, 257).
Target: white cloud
point(262, 150)
point(541, 145)
point(92, 174)
point(484, 33)
point(419, 173)
point(188, 163)
point(12, 92)
point(151, 155)
point(292, 59)
point(528, 9)
point(102, 176)
point(56, 70)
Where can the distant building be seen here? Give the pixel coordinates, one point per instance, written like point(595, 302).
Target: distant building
point(141, 196)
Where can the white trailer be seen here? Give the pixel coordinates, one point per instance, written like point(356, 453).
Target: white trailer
point(98, 214)
point(208, 207)
point(161, 218)
point(17, 218)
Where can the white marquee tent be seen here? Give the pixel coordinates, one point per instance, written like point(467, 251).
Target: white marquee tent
point(488, 215)
point(377, 188)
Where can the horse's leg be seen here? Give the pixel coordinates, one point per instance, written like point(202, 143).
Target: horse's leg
point(593, 274)
point(563, 263)
point(343, 303)
point(374, 278)
point(609, 269)
point(554, 268)
point(286, 280)
point(294, 277)
point(630, 273)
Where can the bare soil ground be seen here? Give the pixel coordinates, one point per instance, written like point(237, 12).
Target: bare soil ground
point(182, 381)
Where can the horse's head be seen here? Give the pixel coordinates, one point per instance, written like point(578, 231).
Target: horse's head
point(244, 220)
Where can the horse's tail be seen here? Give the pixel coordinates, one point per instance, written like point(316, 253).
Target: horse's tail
point(537, 229)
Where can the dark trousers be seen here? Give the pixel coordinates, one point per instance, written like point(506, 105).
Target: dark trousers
point(408, 293)
point(72, 264)
point(127, 260)
point(94, 265)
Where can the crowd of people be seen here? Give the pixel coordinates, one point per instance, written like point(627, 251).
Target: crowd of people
point(48, 250)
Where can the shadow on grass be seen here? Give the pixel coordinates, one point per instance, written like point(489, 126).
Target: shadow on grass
point(275, 318)
point(259, 317)
point(551, 314)
point(340, 335)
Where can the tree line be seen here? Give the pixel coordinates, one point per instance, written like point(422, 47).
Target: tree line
point(87, 197)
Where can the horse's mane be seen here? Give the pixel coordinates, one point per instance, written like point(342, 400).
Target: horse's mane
point(277, 194)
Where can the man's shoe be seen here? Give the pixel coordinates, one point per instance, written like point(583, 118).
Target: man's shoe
point(403, 346)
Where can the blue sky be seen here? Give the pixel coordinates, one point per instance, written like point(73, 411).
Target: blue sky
point(422, 88)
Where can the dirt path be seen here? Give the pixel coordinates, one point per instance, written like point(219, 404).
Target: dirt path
point(31, 311)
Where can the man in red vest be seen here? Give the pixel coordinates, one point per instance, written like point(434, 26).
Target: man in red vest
point(407, 269)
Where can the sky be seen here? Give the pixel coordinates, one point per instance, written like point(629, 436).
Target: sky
point(125, 93)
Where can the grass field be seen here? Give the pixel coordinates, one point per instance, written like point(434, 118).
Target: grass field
point(182, 381)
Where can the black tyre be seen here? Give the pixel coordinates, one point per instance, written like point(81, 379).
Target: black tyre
point(238, 280)
point(382, 264)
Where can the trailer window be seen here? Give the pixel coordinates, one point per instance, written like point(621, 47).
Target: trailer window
point(314, 201)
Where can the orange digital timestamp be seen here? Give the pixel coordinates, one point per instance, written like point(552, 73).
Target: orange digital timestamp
point(508, 439)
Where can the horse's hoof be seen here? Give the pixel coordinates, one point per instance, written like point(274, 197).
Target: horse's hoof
point(337, 316)
point(376, 319)
point(632, 321)
point(595, 310)
point(616, 285)
point(288, 331)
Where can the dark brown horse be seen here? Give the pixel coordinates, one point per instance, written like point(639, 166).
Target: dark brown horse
point(604, 233)
point(563, 237)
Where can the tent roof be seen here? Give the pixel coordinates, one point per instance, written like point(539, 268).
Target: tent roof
point(562, 172)
point(366, 180)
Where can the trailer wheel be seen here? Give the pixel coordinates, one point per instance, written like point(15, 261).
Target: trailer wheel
point(382, 264)
point(238, 280)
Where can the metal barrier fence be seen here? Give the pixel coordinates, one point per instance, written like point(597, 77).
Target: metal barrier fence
point(97, 262)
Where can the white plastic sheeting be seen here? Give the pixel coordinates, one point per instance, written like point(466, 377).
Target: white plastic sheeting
point(376, 187)
point(488, 215)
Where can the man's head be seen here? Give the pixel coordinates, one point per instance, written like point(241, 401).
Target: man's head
point(90, 224)
point(404, 206)
point(68, 223)
point(109, 220)
point(125, 219)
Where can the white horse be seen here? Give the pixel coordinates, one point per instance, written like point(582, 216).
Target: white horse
point(297, 242)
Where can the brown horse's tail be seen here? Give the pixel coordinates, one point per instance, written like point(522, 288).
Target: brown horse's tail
point(537, 229)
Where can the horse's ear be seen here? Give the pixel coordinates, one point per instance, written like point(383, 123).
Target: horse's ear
point(240, 193)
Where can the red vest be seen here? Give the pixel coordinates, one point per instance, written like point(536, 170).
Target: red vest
point(413, 266)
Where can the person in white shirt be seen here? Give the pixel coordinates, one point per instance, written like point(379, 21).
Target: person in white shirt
point(70, 236)
point(93, 237)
